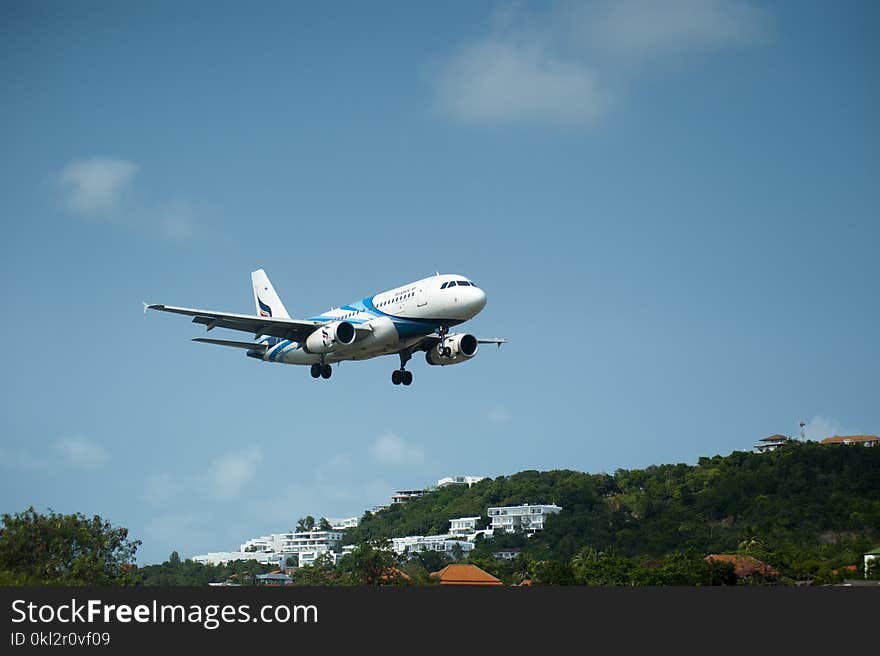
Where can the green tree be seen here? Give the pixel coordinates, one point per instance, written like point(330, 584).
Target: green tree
point(552, 572)
point(65, 550)
point(372, 563)
point(174, 558)
point(321, 572)
point(306, 523)
point(324, 525)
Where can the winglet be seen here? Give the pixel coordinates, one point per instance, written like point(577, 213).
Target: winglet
point(146, 307)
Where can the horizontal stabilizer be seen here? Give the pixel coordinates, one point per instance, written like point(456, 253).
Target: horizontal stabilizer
point(225, 342)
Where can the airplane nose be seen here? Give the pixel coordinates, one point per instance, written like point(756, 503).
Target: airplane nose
point(479, 301)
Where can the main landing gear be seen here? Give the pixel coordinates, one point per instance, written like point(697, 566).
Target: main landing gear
point(402, 376)
point(321, 370)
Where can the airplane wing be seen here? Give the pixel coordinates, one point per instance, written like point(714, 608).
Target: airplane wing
point(296, 330)
point(430, 341)
point(225, 342)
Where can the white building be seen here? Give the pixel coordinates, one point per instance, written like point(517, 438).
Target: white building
point(459, 480)
point(771, 443)
point(308, 545)
point(463, 526)
point(527, 517)
point(402, 496)
point(443, 543)
point(262, 543)
point(871, 556)
point(342, 523)
point(223, 557)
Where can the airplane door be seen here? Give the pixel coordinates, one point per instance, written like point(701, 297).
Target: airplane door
point(421, 299)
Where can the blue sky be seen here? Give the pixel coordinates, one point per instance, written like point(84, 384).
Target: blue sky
point(671, 206)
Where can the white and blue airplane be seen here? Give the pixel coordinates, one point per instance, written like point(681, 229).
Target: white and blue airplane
point(404, 320)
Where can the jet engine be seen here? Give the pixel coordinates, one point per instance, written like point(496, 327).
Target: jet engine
point(330, 337)
point(454, 349)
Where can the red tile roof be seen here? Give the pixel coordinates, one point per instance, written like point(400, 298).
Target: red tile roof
point(842, 439)
point(774, 438)
point(465, 575)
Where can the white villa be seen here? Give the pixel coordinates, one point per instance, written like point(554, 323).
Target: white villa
point(528, 517)
point(459, 480)
point(443, 543)
point(223, 557)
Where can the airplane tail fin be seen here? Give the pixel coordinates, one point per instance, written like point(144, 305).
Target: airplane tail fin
point(267, 301)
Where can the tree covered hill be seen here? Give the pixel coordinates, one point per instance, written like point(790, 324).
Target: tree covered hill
point(802, 500)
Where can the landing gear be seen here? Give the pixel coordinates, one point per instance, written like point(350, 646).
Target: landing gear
point(402, 376)
point(321, 370)
point(445, 351)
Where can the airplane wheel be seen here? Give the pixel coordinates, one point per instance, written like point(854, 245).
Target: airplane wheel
point(407, 377)
point(326, 371)
point(396, 377)
point(316, 370)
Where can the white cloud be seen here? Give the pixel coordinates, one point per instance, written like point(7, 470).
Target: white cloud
point(390, 449)
point(569, 63)
point(82, 453)
point(95, 185)
point(646, 28)
point(103, 189)
point(818, 428)
point(228, 474)
point(508, 82)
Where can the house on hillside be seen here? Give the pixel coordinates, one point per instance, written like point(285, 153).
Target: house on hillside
point(402, 496)
point(871, 557)
point(864, 440)
point(274, 578)
point(528, 517)
point(465, 575)
point(509, 553)
point(771, 443)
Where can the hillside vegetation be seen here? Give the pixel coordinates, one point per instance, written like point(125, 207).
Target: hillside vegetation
point(800, 508)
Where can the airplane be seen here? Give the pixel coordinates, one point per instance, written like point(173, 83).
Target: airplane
point(405, 320)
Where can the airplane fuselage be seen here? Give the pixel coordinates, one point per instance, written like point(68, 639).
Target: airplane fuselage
point(397, 319)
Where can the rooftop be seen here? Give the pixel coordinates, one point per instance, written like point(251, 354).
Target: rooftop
point(845, 439)
point(465, 575)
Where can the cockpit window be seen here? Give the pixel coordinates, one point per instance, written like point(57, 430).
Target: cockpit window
point(463, 283)
point(452, 283)
point(444, 285)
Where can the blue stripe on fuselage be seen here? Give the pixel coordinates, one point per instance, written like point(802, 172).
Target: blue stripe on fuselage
point(405, 327)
